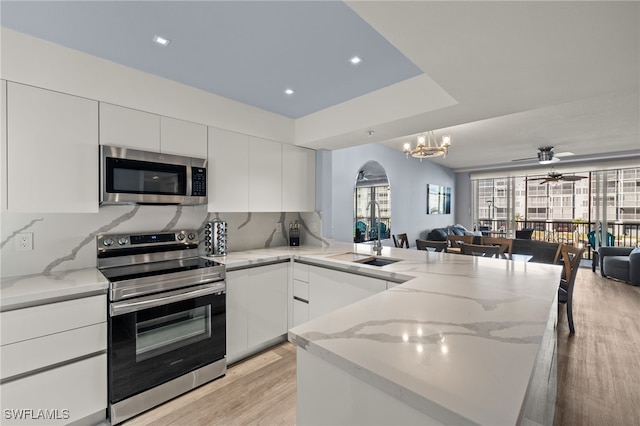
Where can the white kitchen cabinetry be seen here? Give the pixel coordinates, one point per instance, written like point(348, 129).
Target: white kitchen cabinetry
point(54, 357)
point(265, 175)
point(298, 179)
point(145, 131)
point(330, 290)
point(181, 137)
point(256, 308)
point(228, 169)
point(128, 127)
point(52, 151)
point(249, 174)
point(300, 308)
point(237, 307)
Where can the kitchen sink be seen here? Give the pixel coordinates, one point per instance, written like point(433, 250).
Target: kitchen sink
point(378, 261)
point(364, 259)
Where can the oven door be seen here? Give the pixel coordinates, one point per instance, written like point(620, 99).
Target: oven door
point(158, 338)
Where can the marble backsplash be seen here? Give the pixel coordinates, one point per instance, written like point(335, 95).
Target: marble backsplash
point(64, 241)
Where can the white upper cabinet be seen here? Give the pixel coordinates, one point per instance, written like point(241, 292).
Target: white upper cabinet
point(298, 179)
point(181, 137)
point(265, 175)
point(228, 170)
point(249, 174)
point(128, 127)
point(52, 151)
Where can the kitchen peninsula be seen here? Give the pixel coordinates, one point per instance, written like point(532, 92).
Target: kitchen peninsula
point(467, 340)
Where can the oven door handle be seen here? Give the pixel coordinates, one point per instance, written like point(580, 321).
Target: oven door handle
point(125, 307)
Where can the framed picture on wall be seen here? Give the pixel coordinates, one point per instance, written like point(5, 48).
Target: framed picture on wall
point(438, 199)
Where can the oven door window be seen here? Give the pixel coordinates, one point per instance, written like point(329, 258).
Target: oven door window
point(152, 346)
point(156, 336)
point(144, 177)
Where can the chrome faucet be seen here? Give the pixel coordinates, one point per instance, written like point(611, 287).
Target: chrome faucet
point(377, 246)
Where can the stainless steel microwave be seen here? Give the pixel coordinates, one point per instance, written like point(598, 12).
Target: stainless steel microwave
point(130, 176)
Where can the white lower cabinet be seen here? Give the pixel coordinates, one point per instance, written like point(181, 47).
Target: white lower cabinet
point(58, 396)
point(330, 289)
point(300, 312)
point(256, 307)
point(54, 363)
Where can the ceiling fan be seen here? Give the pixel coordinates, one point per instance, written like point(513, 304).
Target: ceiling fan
point(547, 156)
point(553, 176)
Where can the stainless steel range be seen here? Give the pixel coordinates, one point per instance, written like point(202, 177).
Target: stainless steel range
point(166, 318)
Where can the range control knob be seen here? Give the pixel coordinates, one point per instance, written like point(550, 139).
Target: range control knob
point(108, 242)
point(180, 237)
point(123, 240)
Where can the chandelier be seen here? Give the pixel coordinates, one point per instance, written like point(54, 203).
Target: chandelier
point(427, 146)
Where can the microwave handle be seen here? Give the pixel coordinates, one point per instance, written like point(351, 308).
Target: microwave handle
point(125, 307)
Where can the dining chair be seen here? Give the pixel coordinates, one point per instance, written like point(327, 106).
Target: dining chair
point(480, 250)
point(401, 240)
point(454, 242)
point(438, 246)
point(505, 244)
point(570, 257)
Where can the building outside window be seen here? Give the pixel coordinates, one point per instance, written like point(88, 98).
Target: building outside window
point(562, 202)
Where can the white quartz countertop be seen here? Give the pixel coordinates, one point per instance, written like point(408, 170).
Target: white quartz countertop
point(458, 340)
point(31, 290)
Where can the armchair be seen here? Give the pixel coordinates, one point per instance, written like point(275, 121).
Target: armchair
point(622, 263)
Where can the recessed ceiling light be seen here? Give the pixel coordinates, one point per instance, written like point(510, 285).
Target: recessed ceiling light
point(355, 60)
point(289, 91)
point(161, 40)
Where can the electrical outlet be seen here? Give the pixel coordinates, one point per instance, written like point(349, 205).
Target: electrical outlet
point(278, 227)
point(24, 241)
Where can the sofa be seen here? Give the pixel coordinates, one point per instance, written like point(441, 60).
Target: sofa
point(622, 263)
point(440, 234)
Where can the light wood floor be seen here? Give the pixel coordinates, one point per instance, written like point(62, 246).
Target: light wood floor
point(598, 371)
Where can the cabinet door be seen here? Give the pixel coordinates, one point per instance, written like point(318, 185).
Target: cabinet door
point(267, 302)
point(298, 179)
point(237, 311)
point(76, 391)
point(52, 151)
point(181, 137)
point(265, 175)
point(330, 290)
point(228, 181)
point(300, 312)
point(127, 127)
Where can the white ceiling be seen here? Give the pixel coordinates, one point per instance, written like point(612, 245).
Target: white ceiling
point(503, 78)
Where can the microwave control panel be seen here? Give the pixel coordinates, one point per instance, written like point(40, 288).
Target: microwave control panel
point(198, 182)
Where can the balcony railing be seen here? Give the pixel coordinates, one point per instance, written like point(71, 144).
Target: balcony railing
point(577, 234)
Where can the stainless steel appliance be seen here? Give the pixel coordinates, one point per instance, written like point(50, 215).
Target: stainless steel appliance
point(130, 176)
point(166, 318)
point(215, 238)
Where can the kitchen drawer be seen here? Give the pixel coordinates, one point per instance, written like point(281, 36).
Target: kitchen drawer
point(38, 321)
point(29, 355)
point(300, 312)
point(301, 290)
point(300, 272)
point(74, 391)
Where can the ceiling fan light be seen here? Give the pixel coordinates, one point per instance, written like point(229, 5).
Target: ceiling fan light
point(549, 161)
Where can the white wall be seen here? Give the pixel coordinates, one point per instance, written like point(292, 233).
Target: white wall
point(408, 179)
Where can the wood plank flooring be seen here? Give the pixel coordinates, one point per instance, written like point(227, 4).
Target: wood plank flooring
point(598, 371)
